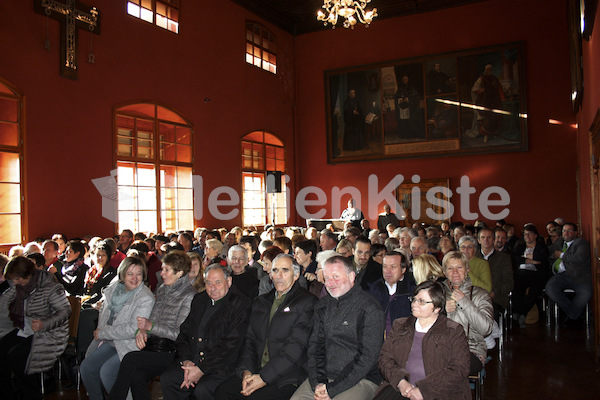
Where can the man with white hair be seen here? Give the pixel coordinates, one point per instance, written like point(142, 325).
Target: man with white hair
point(244, 278)
point(418, 246)
point(273, 360)
point(346, 339)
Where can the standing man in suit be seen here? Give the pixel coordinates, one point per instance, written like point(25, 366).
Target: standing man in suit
point(571, 266)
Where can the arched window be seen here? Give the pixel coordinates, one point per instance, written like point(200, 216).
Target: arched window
point(11, 175)
point(262, 152)
point(154, 162)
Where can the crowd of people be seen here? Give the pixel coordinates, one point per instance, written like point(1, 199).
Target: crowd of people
point(294, 313)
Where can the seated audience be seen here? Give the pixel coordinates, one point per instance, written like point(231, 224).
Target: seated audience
point(468, 305)
point(39, 311)
point(50, 253)
point(284, 243)
point(367, 270)
point(572, 270)
point(72, 274)
point(531, 257)
point(378, 251)
point(445, 245)
point(98, 277)
point(317, 287)
point(345, 341)
point(418, 246)
point(345, 248)
point(305, 253)
point(426, 268)
point(266, 284)
point(479, 269)
point(156, 334)
point(394, 289)
point(196, 274)
point(244, 278)
point(209, 340)
point(250, 243)
point(272, 361)
point(427, 355)
point(153, 263)
point(6, 324)
point(328, 240)
point(212, 251)
point(501, 269)
point(124, 301)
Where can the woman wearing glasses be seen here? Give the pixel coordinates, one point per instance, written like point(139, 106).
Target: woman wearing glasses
point(427, 355)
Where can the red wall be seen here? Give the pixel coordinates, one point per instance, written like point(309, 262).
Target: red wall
point(68, 123)
point(541, 181)
point(591, 103)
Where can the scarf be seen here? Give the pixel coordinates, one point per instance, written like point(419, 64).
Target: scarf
point(71, 267)
point(118, 299)
point(92, 275)
point(16, 309)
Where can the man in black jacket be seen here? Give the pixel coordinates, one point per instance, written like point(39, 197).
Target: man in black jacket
point(571, 266)
point(346, 339)
point(272, 362)
point(209, 339)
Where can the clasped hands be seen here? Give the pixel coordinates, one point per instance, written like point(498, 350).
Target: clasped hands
point(191, 374)
point(251, 383)
point(409, 390)
point(321, 392)
point(144, 325)
point(457, 296)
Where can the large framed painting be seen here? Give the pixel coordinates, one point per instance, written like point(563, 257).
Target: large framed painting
point(471, 101)
point(425, 202)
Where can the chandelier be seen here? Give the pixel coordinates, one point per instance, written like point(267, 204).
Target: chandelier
point(351, 10)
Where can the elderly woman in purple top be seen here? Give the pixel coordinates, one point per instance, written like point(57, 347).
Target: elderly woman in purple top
point(427, 355)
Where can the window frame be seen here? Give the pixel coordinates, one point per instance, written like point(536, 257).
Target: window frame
point(157, 161)
point(262, 173)
point(265, 33)
point(18, 149)
point(168, 4)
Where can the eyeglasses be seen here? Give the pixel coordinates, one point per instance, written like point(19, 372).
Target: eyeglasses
point(420, 302)
point(467, 247)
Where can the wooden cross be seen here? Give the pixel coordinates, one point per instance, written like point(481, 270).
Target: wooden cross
point(72, 16)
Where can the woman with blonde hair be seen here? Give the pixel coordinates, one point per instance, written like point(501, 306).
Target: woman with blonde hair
point(196, 274)
point(426, 268)
point(345, 248)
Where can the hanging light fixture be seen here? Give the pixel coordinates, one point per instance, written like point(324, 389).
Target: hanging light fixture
point(352, 10)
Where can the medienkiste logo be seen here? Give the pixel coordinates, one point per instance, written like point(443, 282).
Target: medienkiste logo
point(223, 202)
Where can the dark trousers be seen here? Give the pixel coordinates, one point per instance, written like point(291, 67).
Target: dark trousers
point(88, 321)
point(523, 301)
point(171, 379)
point(476, 365)
point(572, 307)
point(498, 311)
point(14, 351)
point(231, 388)
point(137, 370)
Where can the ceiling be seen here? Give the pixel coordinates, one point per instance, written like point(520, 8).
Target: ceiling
point(300, 16)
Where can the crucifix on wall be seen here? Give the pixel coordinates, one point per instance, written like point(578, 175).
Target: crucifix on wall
point(72, 15)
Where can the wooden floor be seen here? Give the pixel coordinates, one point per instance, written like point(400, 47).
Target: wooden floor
point(539, 362)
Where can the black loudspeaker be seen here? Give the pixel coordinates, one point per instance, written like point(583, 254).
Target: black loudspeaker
point(273, 181)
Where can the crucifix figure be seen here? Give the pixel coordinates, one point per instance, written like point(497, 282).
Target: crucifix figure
point(72, 16)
